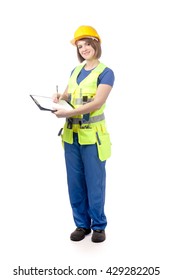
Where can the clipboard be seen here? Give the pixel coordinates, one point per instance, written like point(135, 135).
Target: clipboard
point(46, 103)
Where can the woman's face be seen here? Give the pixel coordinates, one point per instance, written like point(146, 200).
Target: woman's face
point(85, 49)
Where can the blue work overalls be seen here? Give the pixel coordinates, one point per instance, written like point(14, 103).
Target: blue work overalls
point(86, 176)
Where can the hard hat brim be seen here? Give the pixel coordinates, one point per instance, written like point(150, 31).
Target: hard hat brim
point(73, 41)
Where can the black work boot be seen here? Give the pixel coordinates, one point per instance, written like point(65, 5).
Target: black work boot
point(98, 236)
point(79, 234)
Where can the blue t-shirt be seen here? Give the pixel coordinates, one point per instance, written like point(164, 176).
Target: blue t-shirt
point(106, 77)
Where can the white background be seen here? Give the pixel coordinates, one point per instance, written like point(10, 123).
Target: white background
point(35, 56)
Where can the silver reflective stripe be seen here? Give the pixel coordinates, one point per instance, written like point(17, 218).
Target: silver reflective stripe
point(93, 119)
point(79, 101)
point(98, 118)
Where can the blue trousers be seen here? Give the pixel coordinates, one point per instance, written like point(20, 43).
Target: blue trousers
point(86, 177)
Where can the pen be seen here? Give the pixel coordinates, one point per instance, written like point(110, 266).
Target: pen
point(58, 95)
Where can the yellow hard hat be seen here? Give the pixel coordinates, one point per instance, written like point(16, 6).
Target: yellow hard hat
point(85, 31)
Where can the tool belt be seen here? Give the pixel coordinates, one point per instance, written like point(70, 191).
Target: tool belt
point(88, 134)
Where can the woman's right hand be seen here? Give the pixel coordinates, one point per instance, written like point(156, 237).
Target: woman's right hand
point(56, 97)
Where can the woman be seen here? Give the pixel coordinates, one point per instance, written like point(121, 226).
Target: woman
point(85, 137)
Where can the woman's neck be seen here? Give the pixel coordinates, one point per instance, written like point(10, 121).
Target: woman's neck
point(90, 64)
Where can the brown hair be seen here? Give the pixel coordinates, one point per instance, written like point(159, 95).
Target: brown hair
point(96, 46)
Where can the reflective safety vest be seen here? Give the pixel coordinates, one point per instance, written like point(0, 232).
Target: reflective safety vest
point(91, 128)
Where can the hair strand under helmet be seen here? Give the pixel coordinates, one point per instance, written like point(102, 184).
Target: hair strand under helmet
point(85, 31)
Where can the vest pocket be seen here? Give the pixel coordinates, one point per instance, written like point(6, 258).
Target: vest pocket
point(104, 146)
point(86, 136)
point(67, 135)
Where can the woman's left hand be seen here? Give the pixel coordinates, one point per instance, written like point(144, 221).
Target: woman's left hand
point(62, 113)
